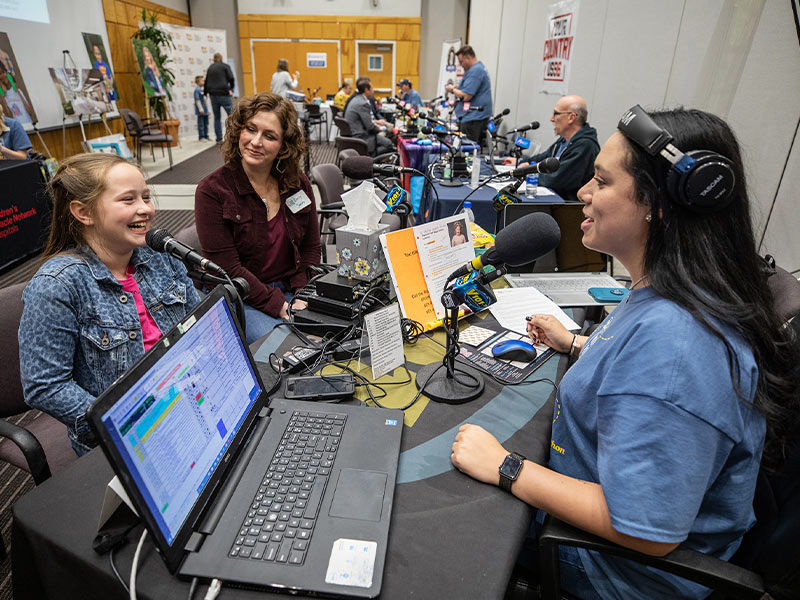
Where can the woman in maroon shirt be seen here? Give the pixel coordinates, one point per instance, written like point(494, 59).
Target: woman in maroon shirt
point(256, 216)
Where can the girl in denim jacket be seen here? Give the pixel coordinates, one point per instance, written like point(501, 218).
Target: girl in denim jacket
point(102, 298)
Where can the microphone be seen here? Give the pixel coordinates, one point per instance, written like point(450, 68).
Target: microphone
point(474, 108)
point(501, 115)
point(519, 243)
point(362, 167)
point(439, 132)
point(161, 241)
point(548, 165)
point(531, 125)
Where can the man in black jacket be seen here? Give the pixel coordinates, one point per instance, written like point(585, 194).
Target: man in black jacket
point(576, 148)
point(219, 87)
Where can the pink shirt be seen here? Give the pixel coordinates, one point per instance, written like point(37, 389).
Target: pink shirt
point(150, 331)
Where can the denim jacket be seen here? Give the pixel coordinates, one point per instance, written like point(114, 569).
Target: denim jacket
point(80, 331)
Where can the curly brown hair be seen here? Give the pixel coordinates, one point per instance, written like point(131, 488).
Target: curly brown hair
point(294, 144)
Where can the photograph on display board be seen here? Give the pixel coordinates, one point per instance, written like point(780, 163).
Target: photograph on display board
point(145, 50)
point(13, 93)
point(99, 58)
point(82, 91)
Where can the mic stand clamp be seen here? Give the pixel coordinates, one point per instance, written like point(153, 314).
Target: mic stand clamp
point(453, 385)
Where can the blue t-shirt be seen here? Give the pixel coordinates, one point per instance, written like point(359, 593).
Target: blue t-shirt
point(650, 413)
point(413, 97)
point(15, 138)
point(476, 82)
point(200, 106)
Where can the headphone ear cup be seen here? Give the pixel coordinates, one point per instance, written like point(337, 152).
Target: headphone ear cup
point(707, 186)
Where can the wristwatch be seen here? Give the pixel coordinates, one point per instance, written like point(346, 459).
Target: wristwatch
point(510, 470)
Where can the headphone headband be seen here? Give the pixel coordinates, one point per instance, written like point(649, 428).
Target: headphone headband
point(700, 180)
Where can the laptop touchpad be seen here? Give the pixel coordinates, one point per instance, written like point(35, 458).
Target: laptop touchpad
point(359, 495)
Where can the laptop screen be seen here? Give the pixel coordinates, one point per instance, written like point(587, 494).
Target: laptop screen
point(176, 421)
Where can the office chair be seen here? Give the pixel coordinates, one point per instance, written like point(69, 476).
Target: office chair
point(42, 446)
point(343, 143)
point(343, 125)
point(315, 116)
point(143, 132)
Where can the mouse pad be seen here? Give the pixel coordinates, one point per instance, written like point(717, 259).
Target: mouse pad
point(359, 495)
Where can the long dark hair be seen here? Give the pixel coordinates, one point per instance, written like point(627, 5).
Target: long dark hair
point(287, 169)
point(708, 264)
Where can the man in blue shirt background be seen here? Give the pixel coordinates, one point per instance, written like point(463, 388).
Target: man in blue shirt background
point(408, 94)
point(14, 142)
point(476, 89)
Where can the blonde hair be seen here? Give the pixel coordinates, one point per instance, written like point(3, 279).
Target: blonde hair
point(81, 178)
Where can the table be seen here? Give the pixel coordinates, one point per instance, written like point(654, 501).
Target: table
point(419, 157)
point(451, 536)
point(25, 211)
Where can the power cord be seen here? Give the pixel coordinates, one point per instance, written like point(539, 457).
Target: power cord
point(114, 569)
point(135, 566)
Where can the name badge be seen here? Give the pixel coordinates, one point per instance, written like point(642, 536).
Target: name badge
point(297, 201)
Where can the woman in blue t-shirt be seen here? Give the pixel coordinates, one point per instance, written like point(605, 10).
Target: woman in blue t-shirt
point(659, 427)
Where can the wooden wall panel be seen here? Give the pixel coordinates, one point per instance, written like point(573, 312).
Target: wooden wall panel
point(404, 30)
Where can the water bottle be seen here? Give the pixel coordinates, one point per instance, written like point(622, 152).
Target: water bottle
point(531, 184)
point(467, 210)
point(476, 169)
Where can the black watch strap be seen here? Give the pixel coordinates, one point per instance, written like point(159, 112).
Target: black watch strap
point(509, 477)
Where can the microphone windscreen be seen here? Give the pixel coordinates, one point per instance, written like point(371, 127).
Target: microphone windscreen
point(157, 239)
point(527, 239)
point(535, 125)
point(505, 111)
point(358, 167)
point(549, 165)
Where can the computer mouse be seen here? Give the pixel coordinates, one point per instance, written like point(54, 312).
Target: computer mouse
point(514, 350)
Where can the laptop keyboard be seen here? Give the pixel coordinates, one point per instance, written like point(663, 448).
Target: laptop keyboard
point(282, 515)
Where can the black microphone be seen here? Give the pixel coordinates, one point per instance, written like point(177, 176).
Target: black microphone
point(440, 133)
point(531, 125)
point(474, 108)
point(501, 115)
point(362, 167)
point(519, 243)
point(548, 165)
point(161, 241)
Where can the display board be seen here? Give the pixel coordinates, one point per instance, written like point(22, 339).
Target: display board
point(38, 46)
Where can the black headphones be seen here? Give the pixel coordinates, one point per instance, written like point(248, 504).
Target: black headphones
point(700, 180)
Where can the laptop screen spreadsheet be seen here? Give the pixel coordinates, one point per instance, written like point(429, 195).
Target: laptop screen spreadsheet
point(174, 425)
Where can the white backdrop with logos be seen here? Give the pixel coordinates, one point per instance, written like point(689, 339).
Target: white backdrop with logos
point(194, 51)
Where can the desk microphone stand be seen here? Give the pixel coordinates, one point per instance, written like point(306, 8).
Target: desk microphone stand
point(238, 288)
point(451, 385)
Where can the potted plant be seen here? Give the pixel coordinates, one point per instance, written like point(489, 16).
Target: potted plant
point(159, 42)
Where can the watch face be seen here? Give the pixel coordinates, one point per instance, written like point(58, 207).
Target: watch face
point(511, 467)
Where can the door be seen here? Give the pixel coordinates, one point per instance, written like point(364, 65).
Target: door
point(318, 63)
point(376, 61)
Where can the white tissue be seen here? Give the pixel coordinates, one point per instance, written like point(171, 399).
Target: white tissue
point(364, 207)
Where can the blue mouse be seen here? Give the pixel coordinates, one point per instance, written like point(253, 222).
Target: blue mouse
point(514, 350)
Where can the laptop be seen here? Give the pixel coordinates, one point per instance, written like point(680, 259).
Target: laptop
point(274, 494)
point(565, 289)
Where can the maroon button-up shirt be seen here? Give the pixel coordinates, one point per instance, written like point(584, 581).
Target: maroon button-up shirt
point(232, 226)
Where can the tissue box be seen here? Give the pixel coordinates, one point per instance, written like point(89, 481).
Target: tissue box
point(359, 253)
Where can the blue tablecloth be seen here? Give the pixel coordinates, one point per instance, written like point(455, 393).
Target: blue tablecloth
point(450, 197)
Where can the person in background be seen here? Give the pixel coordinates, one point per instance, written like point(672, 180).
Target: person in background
point(102, 298)
point(360, 117)
point(659, 427)
point(340, 99)
point(282, 82)
point(256, 215)
point(219, 87)
point(14, 142)
point(200, 108)
point(576, 148)
point(476, 89)
point(408, 94)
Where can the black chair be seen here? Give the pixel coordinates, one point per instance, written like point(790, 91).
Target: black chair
point(343, 143)
point(315, 117)
point(343, 125)
point(42, 446)
point(142, 132)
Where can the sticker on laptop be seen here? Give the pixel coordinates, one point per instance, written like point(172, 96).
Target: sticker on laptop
point(352, 563)
point(297, 201)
